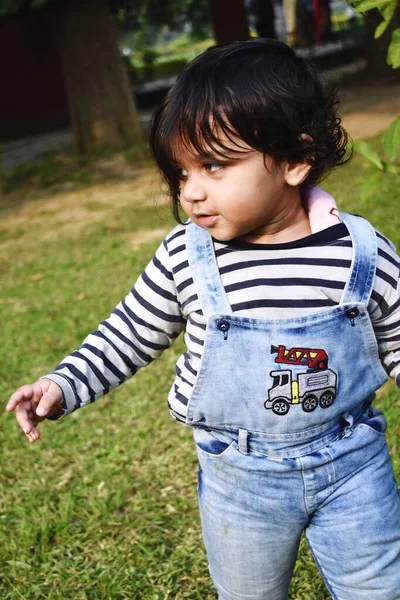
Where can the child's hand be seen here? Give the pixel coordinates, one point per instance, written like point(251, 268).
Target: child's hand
point(33, 403)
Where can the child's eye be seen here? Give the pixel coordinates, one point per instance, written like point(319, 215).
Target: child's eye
point(213, 167)
point(182, 174)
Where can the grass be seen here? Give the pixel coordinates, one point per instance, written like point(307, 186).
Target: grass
point(68, 172)
point(104, 506)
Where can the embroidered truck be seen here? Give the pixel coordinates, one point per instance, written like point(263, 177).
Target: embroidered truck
point(311, 358)
point(316, 386)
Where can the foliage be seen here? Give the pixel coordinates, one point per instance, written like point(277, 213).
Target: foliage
point(157, 63)
point(387, 9)
point(164, 60)
point(14, 6)
point(162, 67)
point(387, 164)
point(104, 506)
point(391, 146)
point(138, 14)
point(142, 14)
point(382, 164)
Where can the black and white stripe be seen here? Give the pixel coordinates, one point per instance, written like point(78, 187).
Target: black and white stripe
point(261, 281)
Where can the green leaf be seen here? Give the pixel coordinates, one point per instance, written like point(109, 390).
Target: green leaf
point(390, 168)
point(366, 5)
point(365, 149)
point(387, 12)
point(391, 140)
point(381, 29)
point(393, 57)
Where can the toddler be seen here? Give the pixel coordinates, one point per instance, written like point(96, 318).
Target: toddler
point(291, 319)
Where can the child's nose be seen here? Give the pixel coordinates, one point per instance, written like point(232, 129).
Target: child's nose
point(193, 190)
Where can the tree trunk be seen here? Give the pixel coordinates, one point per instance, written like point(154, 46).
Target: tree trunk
point(376, 49)
point(228, 20)
point(102, 111)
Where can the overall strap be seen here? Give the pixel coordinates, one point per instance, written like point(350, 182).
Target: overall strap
point(205, 273)
point(363, 266)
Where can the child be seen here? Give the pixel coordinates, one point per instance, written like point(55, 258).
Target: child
point(289, 332)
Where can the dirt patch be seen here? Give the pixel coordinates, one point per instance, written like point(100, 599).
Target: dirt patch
point(368, 109)
point(76, 209)
point(68, 215)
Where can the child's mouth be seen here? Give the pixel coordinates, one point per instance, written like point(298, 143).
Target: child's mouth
point(206, 220)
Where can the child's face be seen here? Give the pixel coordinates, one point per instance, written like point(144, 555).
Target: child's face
point(242, 195)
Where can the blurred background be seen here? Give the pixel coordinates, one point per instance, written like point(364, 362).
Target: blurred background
point(86, 75)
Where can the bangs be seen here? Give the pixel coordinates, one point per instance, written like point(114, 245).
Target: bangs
point(200, 128)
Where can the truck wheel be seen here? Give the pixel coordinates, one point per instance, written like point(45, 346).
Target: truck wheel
point(310, 403)
point(326, 399)
point(280, 406)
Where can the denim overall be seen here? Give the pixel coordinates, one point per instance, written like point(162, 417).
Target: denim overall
point(288, 441)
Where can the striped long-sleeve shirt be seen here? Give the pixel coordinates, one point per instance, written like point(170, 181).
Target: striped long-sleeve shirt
point(261, 281)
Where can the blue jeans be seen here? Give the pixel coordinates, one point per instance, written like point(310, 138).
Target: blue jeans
point(255, 506)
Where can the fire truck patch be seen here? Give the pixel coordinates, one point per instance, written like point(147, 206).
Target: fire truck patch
point(316, 386)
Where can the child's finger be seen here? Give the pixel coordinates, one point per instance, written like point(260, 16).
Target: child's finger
point(23, 393)
point(49, 401)
point(33, 435)
point(23, 413)
point(37, 393)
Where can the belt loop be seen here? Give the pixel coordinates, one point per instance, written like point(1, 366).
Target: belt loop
point(243, 441)
point(348, 429)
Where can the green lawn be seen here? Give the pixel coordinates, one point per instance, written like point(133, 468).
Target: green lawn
point(104, 506)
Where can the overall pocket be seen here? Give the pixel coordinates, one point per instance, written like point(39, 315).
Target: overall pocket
point(374, 422)
point(210, 445)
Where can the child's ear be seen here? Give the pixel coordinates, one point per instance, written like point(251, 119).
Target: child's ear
point(296, 173)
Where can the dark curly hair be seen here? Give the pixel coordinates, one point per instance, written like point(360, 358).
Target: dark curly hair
point(259, 91)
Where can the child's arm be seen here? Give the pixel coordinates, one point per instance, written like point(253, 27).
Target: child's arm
point(384, 308)
point(144, 324)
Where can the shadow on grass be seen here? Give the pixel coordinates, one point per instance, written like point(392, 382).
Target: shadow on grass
point(54, 174)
